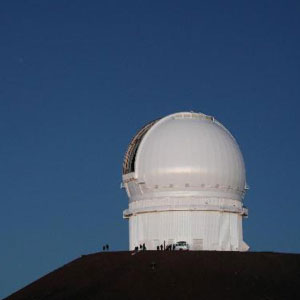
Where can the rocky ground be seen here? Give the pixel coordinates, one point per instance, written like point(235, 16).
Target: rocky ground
point(171, 275)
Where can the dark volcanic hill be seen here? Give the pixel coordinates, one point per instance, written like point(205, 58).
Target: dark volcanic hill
point(171, 275)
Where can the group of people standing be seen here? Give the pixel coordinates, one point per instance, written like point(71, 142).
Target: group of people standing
point(141, 248)
point(162, 247)
point(105, 247)
point(167, 248)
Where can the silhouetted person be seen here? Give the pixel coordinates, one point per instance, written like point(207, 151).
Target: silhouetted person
point(161, 247)
point(107, 247)
point(144, 247)
point(136, 248)
point(141, 247)
point(157, 248)
point(174, 247)
point(103, 248)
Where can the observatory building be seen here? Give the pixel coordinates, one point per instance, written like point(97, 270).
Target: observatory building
point(184, 175)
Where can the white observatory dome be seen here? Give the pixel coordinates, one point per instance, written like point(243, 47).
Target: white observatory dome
point(188, 149)
point(183, 163)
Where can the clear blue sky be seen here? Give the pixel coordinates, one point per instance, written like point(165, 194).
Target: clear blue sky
point(79, 78)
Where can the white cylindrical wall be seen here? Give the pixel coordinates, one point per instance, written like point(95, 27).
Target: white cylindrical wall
point(202, 230)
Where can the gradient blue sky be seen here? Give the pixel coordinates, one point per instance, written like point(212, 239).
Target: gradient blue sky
point(79, 78)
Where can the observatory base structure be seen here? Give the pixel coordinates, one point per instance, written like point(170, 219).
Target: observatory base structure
point(205, 223)
point(204, 230)
point(185, 178)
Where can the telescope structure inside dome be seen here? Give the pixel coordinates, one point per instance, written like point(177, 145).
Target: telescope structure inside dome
point(185, 178)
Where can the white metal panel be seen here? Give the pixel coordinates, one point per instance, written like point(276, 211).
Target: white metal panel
point(197, 244)
point(212, 228)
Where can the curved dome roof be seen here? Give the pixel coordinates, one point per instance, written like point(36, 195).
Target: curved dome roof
point(186, 150)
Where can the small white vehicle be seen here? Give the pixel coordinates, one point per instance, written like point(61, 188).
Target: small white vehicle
point(182, 245)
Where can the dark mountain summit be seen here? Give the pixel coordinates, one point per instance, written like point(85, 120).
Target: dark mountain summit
point(171, 275)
